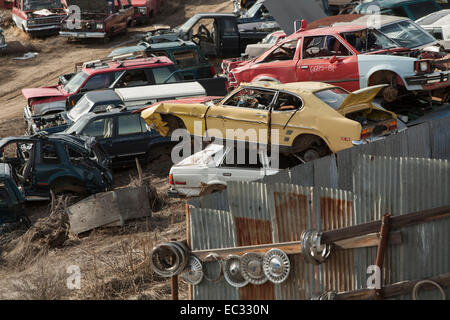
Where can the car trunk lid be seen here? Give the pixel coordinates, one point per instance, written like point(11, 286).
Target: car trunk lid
point(360, 99)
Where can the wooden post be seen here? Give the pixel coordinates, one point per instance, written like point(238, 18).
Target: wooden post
point(382, 245)
point(139, 170)
point(174, 283)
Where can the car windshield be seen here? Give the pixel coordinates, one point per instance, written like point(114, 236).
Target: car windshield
point(41, 4)
point(407, 34)
point(253, 10)
point(77, 126)
point(75, 82)
point(185, 27)
point(332, 97)
point(369, 40)
point(83, 106)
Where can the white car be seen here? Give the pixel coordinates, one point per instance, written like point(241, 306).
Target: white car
point(438, 24)
point(208, 171)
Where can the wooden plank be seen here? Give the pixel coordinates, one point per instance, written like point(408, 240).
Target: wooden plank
point(395, 289)
point(93, 212)
point(295, 247)
point(396, 222)
point(369, 240)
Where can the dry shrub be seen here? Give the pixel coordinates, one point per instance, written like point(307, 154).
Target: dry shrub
point(44, 284)
point(47, 233)
point(120, 276)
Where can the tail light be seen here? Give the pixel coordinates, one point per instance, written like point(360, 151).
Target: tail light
point(366, 133)
point(180, 183)
point(170, 179)
point(392, 125)
point(213, 71)
point(422, 66)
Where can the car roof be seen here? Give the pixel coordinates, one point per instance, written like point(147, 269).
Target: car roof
point(103, 96)
point(353, 20)
point(131, 63)
point(171, 45)
point(53, 138)
point(294, 87)
point(324, 31)
point(391, 3)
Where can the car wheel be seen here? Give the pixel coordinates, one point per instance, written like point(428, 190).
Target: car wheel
point(25, 221)
point(212, 189)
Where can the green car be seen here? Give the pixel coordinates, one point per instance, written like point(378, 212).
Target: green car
point(190, 62)
point(61, 163)
point(12, 200)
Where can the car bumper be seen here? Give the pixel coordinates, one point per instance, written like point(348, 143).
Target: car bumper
point(53, 27)
point(82, 35)
point(430, 81)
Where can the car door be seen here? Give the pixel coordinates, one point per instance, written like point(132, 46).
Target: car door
point(132, 138)
point(48, 163)
point(239, 164)
point(279, 64)
point(326, 58)
point(242, 116)
point(229, 40)
point(102, 128)
point(284, 109)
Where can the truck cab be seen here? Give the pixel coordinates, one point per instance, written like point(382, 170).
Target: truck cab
point(38, 17)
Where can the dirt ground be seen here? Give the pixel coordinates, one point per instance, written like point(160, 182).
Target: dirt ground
point(113, 262)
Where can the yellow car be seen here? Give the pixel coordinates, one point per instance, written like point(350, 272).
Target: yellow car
point(310, 119)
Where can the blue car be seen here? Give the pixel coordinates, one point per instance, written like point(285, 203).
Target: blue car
point(413, 9)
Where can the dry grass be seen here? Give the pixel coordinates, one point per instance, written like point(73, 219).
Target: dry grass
point(44, 284)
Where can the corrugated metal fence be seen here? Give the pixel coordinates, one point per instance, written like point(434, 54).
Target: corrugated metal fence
point(353, 187)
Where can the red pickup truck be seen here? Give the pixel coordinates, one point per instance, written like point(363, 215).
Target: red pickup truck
point(99, 19)
point(145, 10)
point(38, 17)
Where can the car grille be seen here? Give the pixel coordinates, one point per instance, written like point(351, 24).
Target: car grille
point(52, 20)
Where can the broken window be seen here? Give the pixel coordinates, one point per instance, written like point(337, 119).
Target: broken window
point(242, 157)
point(75, 156)
point(323, 46)
point(49, 153)
point(130, 124)
point(287, 102)
point(368, 40)
point(251, 98)
point(284, 52)
point(186, 58)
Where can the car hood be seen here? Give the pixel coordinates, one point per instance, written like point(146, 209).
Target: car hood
point(152, 115)
point(29, 93)
point(360, 99)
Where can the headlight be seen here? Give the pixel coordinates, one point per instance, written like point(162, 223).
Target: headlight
point(99, 26)
point(423, 66)
point(143, 10)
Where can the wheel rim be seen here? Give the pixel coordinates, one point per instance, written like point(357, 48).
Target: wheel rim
point(311, 155)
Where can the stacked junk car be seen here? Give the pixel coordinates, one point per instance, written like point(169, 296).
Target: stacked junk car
point(261, 150)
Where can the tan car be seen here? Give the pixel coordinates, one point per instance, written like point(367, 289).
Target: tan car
point(310, 119)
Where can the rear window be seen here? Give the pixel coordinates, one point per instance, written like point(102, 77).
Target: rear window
point(332, 97)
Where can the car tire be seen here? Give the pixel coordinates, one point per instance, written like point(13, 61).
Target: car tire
point(213, 189)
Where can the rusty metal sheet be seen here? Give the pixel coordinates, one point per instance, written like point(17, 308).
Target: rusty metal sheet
point(249, 200)
point(211, 229)
point(215, 201)
point(418, 140)
point(293, 212)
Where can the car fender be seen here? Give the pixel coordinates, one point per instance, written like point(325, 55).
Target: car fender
point(402, 66)
point(216, 182)
point(47, 107)
point(266, 77)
